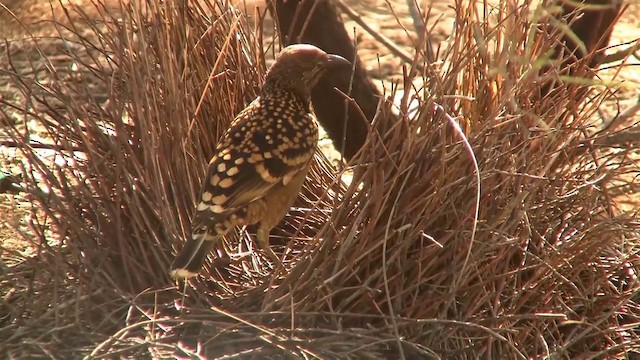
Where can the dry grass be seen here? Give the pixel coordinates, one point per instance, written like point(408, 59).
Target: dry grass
point(406, 259)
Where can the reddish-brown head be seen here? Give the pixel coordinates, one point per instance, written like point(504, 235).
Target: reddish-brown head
point(300, 66)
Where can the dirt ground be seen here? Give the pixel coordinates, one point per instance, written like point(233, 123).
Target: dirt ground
point(21, 18)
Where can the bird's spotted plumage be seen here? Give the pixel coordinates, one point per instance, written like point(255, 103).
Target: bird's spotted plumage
point(261, 160)
point(270, 142)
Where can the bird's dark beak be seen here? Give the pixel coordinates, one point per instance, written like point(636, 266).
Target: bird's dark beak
point(336, 61)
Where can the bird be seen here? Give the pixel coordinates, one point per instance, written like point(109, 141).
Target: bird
point(261, 160)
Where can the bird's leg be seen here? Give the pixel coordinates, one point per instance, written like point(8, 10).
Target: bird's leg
point(263, 242)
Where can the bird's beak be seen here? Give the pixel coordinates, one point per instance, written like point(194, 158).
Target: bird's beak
point(337, 61)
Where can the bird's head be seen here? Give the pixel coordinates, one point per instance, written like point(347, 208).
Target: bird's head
point(299, 67)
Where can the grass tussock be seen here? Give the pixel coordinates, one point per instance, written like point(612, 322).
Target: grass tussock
point(414, 256)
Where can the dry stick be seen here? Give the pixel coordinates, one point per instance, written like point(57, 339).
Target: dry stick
point(348, 94)
point(349, 100)
point(615, 123)
point(468, 146)
point(619, 139)
point(622, 54)
point(397, 50)
point(416, 16)
point(215, 67)
point(306, 21)
point(391, 8)
point(419, 22)
point(34, 145)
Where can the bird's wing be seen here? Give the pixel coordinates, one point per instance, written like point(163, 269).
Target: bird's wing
point(254, 155)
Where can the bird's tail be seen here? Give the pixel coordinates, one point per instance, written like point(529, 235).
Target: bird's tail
point(192, 256)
